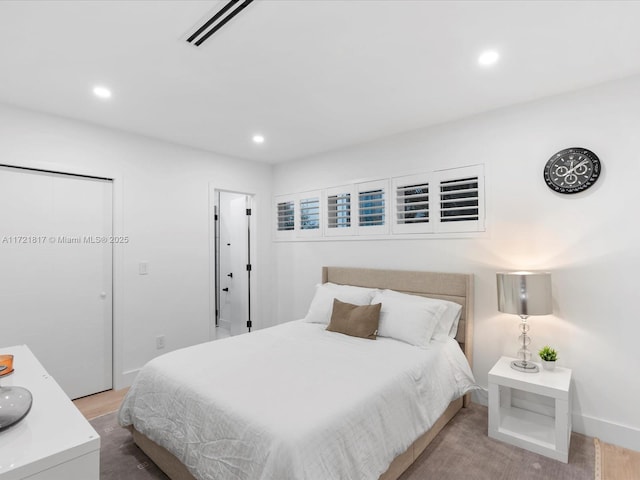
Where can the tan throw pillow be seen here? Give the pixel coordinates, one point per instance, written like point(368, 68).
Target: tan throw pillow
point(355, 320)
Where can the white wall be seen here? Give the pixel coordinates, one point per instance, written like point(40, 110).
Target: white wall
point(590, 241)
point(161, 196)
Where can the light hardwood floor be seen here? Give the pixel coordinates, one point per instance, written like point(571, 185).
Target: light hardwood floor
point(101, 403)
point(616, 463)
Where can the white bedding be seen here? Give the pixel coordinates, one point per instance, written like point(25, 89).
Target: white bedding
point(294, 402)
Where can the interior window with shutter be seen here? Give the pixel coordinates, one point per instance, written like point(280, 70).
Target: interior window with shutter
point(286, 216)
point(411, 204)
point(372, 208)
point(339, 210)
point(414, 204)
point(285, 213)
point(338, 203)
point(461, 199)
point(310, 213)
point(449, 201)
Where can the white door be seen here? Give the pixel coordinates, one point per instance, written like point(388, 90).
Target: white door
point(56, 274)
point(233, 257)
point(238, 260)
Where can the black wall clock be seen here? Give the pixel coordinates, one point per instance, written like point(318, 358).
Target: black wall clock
point(572, 170)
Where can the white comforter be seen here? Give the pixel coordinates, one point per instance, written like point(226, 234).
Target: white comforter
point(294, 402)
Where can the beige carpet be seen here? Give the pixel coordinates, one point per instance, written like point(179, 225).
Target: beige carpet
point(462, 451)
point(616, 463)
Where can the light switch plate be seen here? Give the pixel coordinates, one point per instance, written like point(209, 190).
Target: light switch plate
point(143, 268)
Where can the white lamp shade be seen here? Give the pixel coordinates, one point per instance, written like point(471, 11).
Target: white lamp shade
point(525, 293)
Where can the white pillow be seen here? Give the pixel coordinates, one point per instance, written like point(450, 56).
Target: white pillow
point(452, 316)
point(448, 324)
point(322, 303)
point(409, 320)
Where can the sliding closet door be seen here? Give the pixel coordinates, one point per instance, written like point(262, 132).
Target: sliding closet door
point(56, 274)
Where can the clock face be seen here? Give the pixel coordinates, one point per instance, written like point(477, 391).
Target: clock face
point(572, 170)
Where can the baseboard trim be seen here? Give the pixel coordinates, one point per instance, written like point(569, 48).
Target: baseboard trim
point(610, 432)
point(480, 396)
point(125, 379)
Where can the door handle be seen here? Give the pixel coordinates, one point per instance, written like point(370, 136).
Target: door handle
point(225, 289)
point(230, 275)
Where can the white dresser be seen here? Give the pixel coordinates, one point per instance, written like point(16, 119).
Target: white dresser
point(54, 441)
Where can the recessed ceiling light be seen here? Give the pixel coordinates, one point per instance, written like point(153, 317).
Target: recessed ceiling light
point(258, 139)
point(101, 92)
point(488, 57)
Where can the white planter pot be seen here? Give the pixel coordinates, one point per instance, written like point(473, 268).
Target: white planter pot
point(547, 365)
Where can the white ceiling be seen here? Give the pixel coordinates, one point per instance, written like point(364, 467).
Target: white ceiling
point(310, 75)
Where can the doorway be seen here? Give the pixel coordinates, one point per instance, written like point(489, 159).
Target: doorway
point(233, 244)
point(56, 279)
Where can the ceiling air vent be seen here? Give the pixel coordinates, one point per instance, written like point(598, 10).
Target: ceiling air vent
point(216, 22)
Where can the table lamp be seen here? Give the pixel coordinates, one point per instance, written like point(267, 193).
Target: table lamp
point(524, 294)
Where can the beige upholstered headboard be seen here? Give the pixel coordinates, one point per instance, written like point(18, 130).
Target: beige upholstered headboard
point(455, 287)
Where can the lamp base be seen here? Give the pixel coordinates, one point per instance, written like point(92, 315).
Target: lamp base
point(524, 366)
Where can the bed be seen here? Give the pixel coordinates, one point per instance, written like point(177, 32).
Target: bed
point(345, 408)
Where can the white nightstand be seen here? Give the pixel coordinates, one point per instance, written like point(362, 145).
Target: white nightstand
point(531, 410)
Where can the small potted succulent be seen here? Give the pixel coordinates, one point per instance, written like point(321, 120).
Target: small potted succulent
point(548, 356)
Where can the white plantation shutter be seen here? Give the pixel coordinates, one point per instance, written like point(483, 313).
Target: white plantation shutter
point(285, 206)
point(286, 215)
point(448, 201)
point(371, 212)
point(461, 199)
point(411, 204)
point(339, 218)
point(310, 214)
point(339, 213)
point(372, 208)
